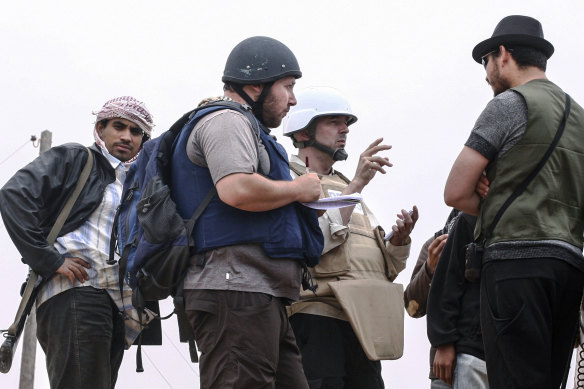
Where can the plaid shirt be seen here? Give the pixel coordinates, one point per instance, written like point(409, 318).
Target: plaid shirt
point(91, 242)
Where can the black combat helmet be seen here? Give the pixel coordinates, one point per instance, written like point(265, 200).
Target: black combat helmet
point(259, 60)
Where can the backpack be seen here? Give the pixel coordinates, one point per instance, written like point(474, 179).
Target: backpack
point(154, 242)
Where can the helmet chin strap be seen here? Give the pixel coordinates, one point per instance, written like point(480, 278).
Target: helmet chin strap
point(337, 154)
point(239, 89)
point(257, 107)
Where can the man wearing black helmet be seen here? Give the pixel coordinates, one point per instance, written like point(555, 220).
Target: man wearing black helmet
point(528, 140)
point(254, 238)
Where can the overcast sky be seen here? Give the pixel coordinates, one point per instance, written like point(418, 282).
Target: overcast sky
point(405, 66)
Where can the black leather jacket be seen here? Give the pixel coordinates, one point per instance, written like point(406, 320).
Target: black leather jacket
point(31, 200)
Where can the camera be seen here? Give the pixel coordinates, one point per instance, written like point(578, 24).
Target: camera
point(474, 262)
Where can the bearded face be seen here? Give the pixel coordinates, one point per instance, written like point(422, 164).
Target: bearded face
point(278, 101)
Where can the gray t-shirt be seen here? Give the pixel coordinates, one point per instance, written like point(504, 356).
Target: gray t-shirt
point(224, 142)
point(499, 127)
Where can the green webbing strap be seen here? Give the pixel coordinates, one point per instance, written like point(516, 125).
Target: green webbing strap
point(33, 276)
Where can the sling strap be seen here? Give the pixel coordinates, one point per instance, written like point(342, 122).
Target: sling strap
point(535, 171)
point(32, 279)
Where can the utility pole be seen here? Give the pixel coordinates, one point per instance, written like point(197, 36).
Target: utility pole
point(46, 140)
point(29, 341)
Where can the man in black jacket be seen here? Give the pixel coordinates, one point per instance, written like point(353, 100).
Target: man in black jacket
point(81, 313)
point(417, 291)
point(453, 309)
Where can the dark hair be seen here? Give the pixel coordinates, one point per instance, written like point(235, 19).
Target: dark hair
point(454, 214)
point(228, 87)
point(311, 128)
point(104, 122)
point(527, 56)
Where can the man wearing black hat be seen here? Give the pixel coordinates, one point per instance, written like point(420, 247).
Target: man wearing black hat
point(528, 142)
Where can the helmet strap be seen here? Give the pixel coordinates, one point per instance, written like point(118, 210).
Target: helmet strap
point(257, 107)
point(239, 89)
point(337, 154)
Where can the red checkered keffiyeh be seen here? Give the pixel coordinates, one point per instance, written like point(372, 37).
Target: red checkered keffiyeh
point(125, 107)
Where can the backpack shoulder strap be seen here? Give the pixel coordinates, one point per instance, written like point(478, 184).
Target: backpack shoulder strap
point(244, 109)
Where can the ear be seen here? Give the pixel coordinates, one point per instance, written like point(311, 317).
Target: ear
point(253, 91)
point(302, 136)
point(505, 55)
point(258, 88)
point(99, 127)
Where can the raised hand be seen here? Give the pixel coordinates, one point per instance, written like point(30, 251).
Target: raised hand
point(434, 251)
point(404, 226)
point(369, 164)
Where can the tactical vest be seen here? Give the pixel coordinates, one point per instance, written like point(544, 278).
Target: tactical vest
point(354, 282)
point(291, 231)
point(362, 256)
point(551, 207)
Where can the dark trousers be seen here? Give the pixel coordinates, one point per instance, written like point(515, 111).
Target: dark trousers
point(245, 340)
point(82, 334)
point(529, 316)
point(332, 355)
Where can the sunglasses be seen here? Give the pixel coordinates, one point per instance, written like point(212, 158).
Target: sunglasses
point(485, 58)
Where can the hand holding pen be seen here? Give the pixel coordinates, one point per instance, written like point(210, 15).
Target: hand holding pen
point(308, 185)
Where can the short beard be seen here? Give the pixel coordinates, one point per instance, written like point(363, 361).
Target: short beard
point(271, 118)
point(498, 84)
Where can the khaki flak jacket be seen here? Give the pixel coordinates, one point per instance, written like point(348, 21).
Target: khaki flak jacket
point(355, 281)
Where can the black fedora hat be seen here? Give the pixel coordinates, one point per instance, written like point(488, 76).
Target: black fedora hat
point(515, 30)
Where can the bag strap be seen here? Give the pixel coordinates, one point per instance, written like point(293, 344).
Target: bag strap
point(200, 209)
point(300, 170)
point(137, 297)
point(185, 330)
point(28, 296)
point(244, 109)
point(535, 171)
point(72, 199)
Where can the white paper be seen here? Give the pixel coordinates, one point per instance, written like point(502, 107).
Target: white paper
point(335, 202)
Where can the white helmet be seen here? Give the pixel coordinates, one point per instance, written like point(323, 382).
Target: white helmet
point(314, 102)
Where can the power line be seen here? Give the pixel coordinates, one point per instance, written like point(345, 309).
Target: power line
point(156, 367)
point(32, 139)
point(180, 353)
